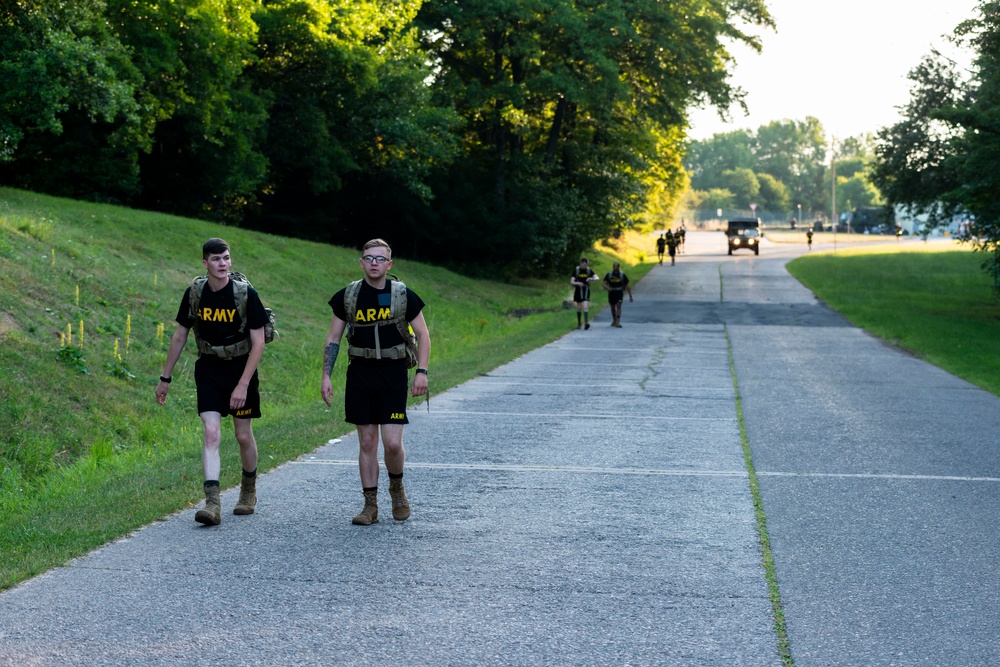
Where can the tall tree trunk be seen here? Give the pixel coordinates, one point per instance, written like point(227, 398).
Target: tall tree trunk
point(555, 130)
point(500, 157)
point(499, 130)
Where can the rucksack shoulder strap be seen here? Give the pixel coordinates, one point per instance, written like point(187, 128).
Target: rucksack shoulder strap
point(197, 287)
point(398, 307)
point(351, 300)
point(241, 293)
point(398, 294)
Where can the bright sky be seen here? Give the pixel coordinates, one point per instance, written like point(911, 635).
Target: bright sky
point(844, 62)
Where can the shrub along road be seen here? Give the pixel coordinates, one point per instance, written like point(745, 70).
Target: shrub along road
point(589, 503)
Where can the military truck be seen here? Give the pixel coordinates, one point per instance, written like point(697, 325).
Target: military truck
point(744, 233)
point(873, 220)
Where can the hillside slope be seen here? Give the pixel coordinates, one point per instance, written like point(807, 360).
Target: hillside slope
point(88, 295)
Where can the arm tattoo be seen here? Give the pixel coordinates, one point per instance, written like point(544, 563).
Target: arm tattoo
point(330, 357)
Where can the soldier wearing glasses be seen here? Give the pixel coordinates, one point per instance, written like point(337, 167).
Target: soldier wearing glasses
point(375, 393)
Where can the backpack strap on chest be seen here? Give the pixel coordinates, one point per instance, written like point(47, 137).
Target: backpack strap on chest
point(397, 311)
point(241, 291)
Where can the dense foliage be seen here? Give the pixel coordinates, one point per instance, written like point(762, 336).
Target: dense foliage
point(532, 128)
point(942, 159)
point(783, 166)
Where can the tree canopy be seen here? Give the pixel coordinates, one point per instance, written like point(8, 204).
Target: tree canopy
point(942, 159)
point(789, 162)
point(533, 127)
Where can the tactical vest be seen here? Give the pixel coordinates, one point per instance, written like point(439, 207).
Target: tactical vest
point(241, 292)
point(397, 310)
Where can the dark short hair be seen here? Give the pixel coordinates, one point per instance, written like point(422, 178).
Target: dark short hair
point(583, 259)
point(214, 246)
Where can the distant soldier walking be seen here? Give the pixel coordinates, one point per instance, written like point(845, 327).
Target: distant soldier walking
point(580, 279)
point(616, 283)
point(672, 241)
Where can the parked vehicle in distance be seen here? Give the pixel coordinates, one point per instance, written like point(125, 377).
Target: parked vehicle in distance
point(873, 220)
point(744, 233)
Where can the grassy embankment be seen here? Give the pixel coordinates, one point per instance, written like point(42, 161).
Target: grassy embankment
point(932, 300)
point(88, 296)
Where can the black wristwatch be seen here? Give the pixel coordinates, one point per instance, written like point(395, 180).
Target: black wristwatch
point(422, 370)
point(165, 379)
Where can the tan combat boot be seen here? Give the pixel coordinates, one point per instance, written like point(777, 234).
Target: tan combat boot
point(211, 514)
point(248, 496)
point(369, 513)
point(400, 505)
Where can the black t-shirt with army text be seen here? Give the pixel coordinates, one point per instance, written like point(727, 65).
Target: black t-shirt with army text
point(218, 319)
point(582, 275)
point(616, 282)
point(375, 305)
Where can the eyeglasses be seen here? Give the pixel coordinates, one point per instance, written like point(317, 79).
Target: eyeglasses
point(375, 259)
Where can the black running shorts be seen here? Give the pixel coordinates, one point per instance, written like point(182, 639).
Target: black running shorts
point(216, 379)
point(376, 393)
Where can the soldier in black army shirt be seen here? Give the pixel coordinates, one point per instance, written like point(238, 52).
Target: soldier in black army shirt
point(375, 393)
point(580, 279)
point(225, 373)
point(616, 283)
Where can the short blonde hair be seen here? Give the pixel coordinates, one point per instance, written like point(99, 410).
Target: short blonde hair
point(378, 243)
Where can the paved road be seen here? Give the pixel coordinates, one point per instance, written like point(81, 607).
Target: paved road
point(880, 476)
point(588, 504)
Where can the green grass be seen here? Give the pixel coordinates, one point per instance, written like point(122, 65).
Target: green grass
point(938, 305)
point(86, 454)
point(763, 536)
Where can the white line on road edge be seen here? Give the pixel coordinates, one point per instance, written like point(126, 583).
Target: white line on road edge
point(529, 468)
point(580, 416)
point(590, 364)
point(847, 475)
point(658, 471)
point(532, 382)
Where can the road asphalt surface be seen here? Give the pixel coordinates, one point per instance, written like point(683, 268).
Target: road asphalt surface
point(589, 504)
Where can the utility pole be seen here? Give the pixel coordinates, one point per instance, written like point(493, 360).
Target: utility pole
point(833, 189)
